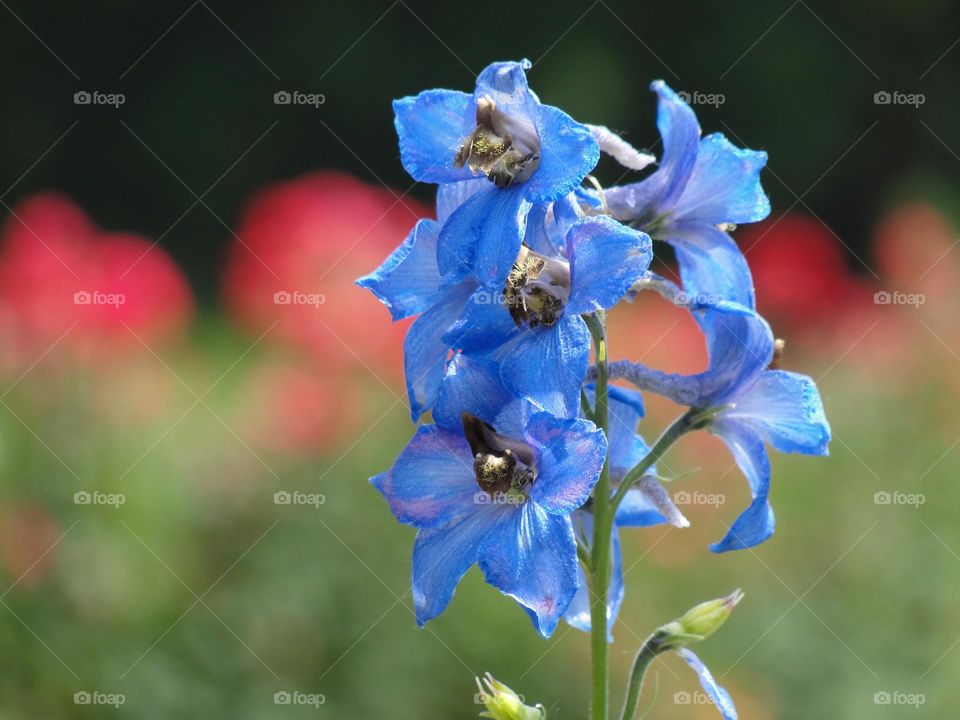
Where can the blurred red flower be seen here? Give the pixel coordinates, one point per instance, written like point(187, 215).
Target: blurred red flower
point(299, 246)
point(61, 276)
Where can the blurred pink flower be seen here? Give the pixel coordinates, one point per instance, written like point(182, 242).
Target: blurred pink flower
point(60, 274)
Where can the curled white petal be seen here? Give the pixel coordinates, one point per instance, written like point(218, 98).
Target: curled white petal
point(619, 149)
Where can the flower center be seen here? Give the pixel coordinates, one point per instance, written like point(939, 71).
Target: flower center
point(537, 288)
point(500, 464)
point(504, 148)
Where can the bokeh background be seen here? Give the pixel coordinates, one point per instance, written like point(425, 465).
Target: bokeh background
point(143, 549)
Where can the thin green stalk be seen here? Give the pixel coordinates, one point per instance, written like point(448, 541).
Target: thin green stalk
point(602, 527)
point(680, 426)
point(651, 648)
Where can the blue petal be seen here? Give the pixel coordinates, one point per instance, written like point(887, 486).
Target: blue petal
point(724, 186)
point(408, 281)
point(636, 510)
point(657, 194)
point(432, 481)
point(785, 409)
point(473, 385)
point(532, 557)
point(711, 264)
point(756, 523)
point(549, 364)
point(606, 259)
point(425, 352)
point(568, 152)
point(431, 127)
point(452, 195)
point(624, 412)
point(506, 84)
point(540, 234)
point(721, 698)
point(571, 456)
point(441, 557)
point(484, 324)
point(483, 236)
point(740, 345)
point(578, 611)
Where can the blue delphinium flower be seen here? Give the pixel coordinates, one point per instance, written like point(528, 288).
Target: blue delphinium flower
point(743, 402)
point(568, 265)
point(643, 506)
point(524, 152)
point(701, 184)
point(493, 482)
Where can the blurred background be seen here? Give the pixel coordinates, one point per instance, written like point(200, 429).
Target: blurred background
point(185, 523)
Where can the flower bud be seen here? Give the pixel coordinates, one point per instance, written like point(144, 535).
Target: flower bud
point(699, 622)
point(503, 703)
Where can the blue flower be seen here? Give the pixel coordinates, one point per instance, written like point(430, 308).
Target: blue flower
point(642, 506)
point(493, 482)
point(524, 152)
point(408, 283)
point(701, 184)
point(567, 266)
point(744, 403)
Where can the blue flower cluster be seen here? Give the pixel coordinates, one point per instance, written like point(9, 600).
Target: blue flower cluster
point(504, 284)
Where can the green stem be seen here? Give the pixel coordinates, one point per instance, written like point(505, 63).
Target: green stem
point(680, 426)
point(602, 527)
point(651, 648)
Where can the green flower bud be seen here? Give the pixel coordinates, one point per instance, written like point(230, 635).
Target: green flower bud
point(503, 703)
point(698, 622)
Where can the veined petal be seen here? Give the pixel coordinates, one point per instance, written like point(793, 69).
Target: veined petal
point(484, 324)
point(431, 483)
point(721, 698)
point(408, 281)
point(532, 557)
point(431, 126)
point(657, 194)
point(624, 412)
point(756, 523)
point(724, 186)
point(549, 364)
point(425, 352)
point(452, 195)
point(473, 385)
point(442, 556)
point(786, 410)
point(506, 84)
point(638, 508)
point(578, 611)
point(571, 455)
point(711, 264)
point(606, 259)
point(568, 153)
point(482, 237)
point(740, 345)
